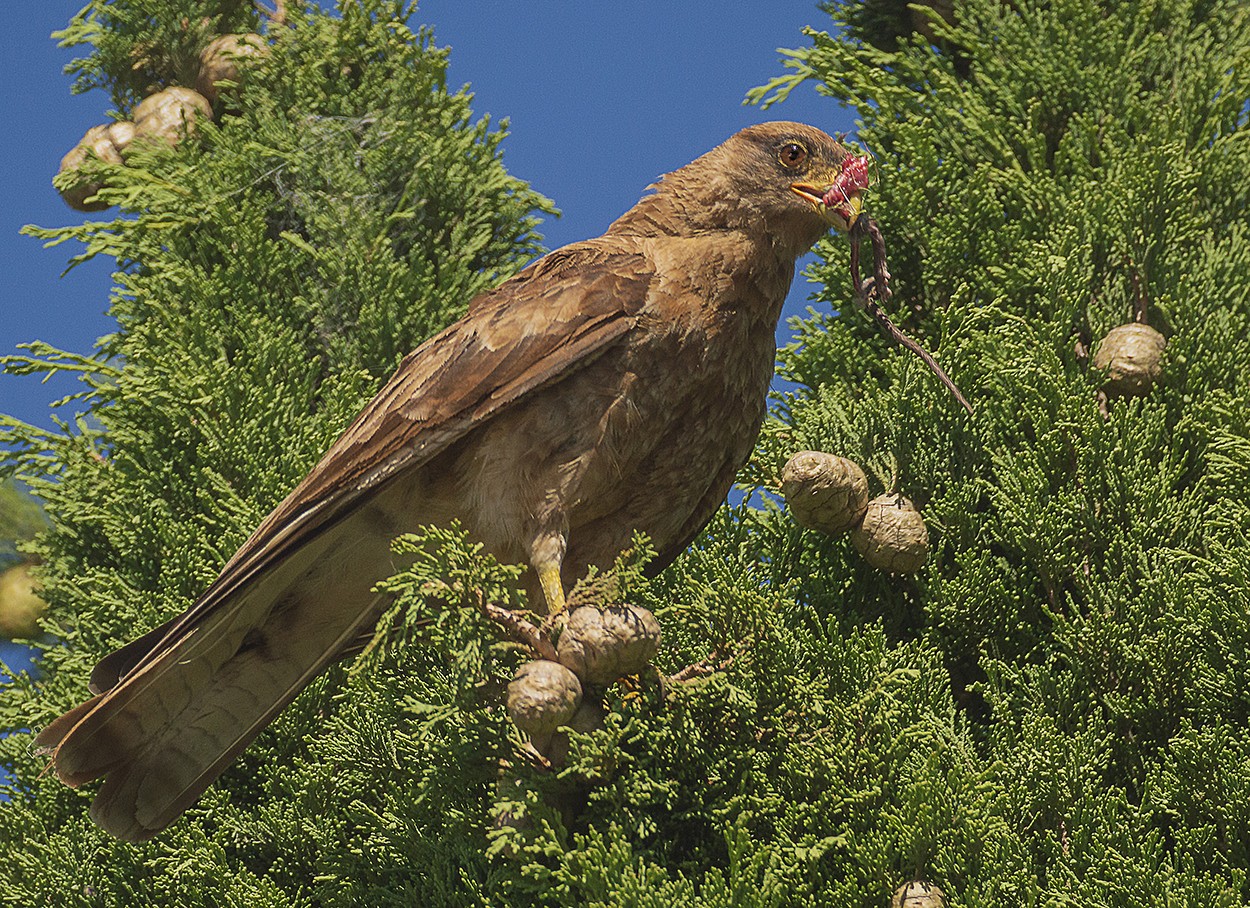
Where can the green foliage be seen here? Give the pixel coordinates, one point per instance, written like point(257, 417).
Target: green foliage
point(143, 45)
point(271, 277)
point(1053, 712)
point(879, 22)
point(1088, 583)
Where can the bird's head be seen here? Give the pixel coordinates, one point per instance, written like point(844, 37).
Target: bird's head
point(795, 180)
point(801, 170)
point(790, 180)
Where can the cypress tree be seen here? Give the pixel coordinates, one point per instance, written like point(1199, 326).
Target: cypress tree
point(1048, 172)
point(20, 519)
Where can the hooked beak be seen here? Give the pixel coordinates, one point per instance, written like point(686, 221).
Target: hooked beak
point(840, 201)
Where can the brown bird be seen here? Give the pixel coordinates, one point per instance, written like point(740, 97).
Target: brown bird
point(615, 385)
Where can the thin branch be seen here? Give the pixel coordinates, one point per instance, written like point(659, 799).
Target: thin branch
point(1141, 303)
point(877, 287)
point(277, 15)
point(518, 628)
point(713, 663)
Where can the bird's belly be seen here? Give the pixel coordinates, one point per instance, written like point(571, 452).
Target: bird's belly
point(665, 448)
point(620, 447)
point(669, 458)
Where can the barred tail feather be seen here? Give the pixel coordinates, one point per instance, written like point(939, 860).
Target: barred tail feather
point(190, 706)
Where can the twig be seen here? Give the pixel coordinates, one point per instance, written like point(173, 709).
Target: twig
point(713, 663)
point(879, 272)
point(518, 628)
point(1141, 303)
point(1080, 346)
point(277, 15)
point(868, 292)
point(530, 751)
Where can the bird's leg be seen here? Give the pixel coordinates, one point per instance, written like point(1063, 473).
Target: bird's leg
point(546, 558)
point(553, 587)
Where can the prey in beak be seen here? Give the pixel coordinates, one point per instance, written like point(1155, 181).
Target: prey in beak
point(840, 200)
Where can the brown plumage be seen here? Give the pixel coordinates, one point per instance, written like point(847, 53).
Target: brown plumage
point(615, 385)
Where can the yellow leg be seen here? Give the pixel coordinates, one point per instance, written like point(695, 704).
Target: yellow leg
point(553, 587)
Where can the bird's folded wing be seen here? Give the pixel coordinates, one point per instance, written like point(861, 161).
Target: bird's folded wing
point(552, 319)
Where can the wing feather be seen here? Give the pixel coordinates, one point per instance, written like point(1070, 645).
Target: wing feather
point(534, 329)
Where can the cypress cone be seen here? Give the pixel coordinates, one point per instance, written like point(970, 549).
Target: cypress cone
point(222, 60)
point(892, 536)
point(171, 114)
point(825, 492)
point(1132, 357)
point(106, 142)
point(542, 696)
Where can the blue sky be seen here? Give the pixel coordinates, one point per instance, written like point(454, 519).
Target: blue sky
point(601, 97)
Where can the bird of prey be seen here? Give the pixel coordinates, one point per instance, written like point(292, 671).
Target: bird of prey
point(615, 385)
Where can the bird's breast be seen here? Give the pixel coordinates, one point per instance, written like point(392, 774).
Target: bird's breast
point(691, 386)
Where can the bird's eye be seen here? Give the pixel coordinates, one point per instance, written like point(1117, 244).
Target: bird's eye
point(792, 154)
